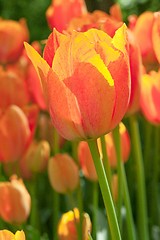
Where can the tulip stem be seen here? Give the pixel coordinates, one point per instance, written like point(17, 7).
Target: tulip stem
point(95, 208)
point(154, 195)
point(34, 219)
point(79, 189)
point(117, 142)
point(56, 198)
point(107, 197)
point(130, 221)
point(141, 192)
point(106, 164)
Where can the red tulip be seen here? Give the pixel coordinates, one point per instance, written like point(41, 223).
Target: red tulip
point(61, 11)
point(63, 173)
point(12, 36)
point(156, 35)
point(15, 201)
point(79, 63)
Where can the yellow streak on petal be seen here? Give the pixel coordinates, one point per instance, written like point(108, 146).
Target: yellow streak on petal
point(120, 38)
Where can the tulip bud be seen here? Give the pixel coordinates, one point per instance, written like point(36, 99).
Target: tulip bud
point(67, 229)
point(7, 235)
point(60, 12)
point(12, 36)
point(13, 89)
point(86, 161)
point(150, 97)
point(63, 173)
point(15, 201)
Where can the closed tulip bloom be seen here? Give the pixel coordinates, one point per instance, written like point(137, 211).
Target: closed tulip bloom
point(61, 11)
point(156, 35)
point(16, 132)
point(63, 173)
point(67, 228)
point(143, 34)
point(12, 36)
point(150, 97)
point(82, 72)
point(13, 89)
point(15, 201)
point(86, 161)
point(35, 159)
point(7, 235)
point(111, 151)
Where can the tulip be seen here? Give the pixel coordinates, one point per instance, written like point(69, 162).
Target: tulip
point(156, 35)
point(150, 97)
point(35, 159)
point(79, 63)
point(63, 173)
point(16, 135)
point(60, 12)
point(143, 34)
point(13, 89)
point(109, 24)
point(15, 201)
point(111, 151)
point(12, 36)
point(115, 186)
point(86, 161)
point(7, 235)
point(67, 228)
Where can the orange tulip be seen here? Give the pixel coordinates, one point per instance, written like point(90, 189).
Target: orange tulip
point(156, 35)
point(61, 11)
point(63, 173)
point(7, 235)
point(13, 89)
point(86, 161)
point(79, 63)
point(109, 24)
point(67, 228)
point(111, 152)
point(16, 132)
point(143, 34)
point(15, 201)
point(12, 36)
point(150, 97)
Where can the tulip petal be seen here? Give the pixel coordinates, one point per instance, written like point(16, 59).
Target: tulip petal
point(41, 67)
point(53, 42)
point(6, 235)
point(156, 36)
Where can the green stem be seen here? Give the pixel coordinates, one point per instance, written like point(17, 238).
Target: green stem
point(147, 147)
point(106, 164)
point(154, 195)
point(141, 192)
point(117, 142)
point(34, 218)
point(107, 197)
point(79, 189)
point(130, 222)
point(55, 195)
point(75, 220)
point(95, 208)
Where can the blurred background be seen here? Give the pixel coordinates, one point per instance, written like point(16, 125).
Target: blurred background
point(34, 11)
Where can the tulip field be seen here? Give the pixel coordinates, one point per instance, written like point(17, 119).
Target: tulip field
point(79, 120)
